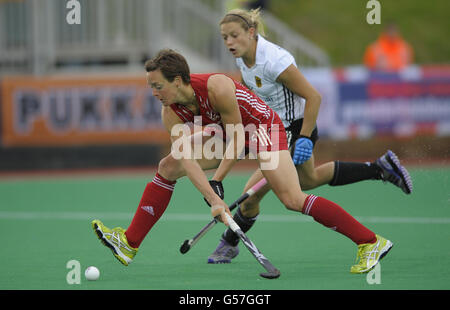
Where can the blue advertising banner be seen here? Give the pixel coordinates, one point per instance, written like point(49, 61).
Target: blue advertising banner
point(366, 104)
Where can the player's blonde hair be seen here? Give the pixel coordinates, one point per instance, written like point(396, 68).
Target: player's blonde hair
point(247, 19)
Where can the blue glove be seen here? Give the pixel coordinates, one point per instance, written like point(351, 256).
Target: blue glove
point(303, 150)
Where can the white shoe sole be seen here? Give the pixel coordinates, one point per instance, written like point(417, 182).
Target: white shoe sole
point(383, 253)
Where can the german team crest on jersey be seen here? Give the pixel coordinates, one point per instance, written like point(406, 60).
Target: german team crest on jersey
point(258, 81)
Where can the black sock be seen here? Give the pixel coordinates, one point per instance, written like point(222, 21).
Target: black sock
point(347, 173)
point(245, 223)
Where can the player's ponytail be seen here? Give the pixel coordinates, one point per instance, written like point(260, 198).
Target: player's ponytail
point(256, 20)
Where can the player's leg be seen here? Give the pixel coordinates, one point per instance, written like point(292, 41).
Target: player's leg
point(283, 178)
point(386, 168)
point(245, 217)
point(157, 195)
point(285, 185)
point(250, 206)
point(247, 213)
point(153, 203)
point(335, 173)
point(311, 177)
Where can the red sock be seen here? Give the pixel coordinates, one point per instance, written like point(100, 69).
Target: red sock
point(153, 203)
point(333, 216)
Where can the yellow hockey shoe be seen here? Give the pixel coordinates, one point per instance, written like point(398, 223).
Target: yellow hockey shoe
point(116, 240)
point(370, 254)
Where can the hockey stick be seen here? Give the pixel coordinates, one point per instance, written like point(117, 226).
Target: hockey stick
point(188, 244)
point(272, 272)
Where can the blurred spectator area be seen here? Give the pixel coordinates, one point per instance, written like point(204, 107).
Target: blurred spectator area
point(74, 96)
point(120, 35)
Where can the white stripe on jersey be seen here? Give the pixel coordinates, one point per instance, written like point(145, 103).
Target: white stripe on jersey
point(250, 114)
point(242, 95)
point(254, 104)
point(289, 105)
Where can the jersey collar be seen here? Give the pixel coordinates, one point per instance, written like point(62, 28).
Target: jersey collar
point(259, 57)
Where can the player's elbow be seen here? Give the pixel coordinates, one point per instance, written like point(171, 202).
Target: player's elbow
point(315, 97)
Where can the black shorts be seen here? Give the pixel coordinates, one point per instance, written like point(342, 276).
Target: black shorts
point(293, 133)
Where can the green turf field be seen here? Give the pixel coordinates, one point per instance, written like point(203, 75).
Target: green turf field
point(44, 223)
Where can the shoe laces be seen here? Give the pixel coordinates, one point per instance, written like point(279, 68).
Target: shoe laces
point(115, 238)
point(364, 254)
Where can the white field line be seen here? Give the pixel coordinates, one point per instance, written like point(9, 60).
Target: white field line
point(192, 217)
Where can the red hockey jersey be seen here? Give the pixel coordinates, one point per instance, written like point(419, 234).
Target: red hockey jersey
point(255, 113)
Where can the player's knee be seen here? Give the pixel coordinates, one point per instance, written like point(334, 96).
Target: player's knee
point(292, 203)
point(308, 182)
point(250, 208)
point(170, 168)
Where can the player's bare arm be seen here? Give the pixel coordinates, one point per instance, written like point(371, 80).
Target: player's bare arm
point(222, 96)
point(293, 79)
point(193, 170)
